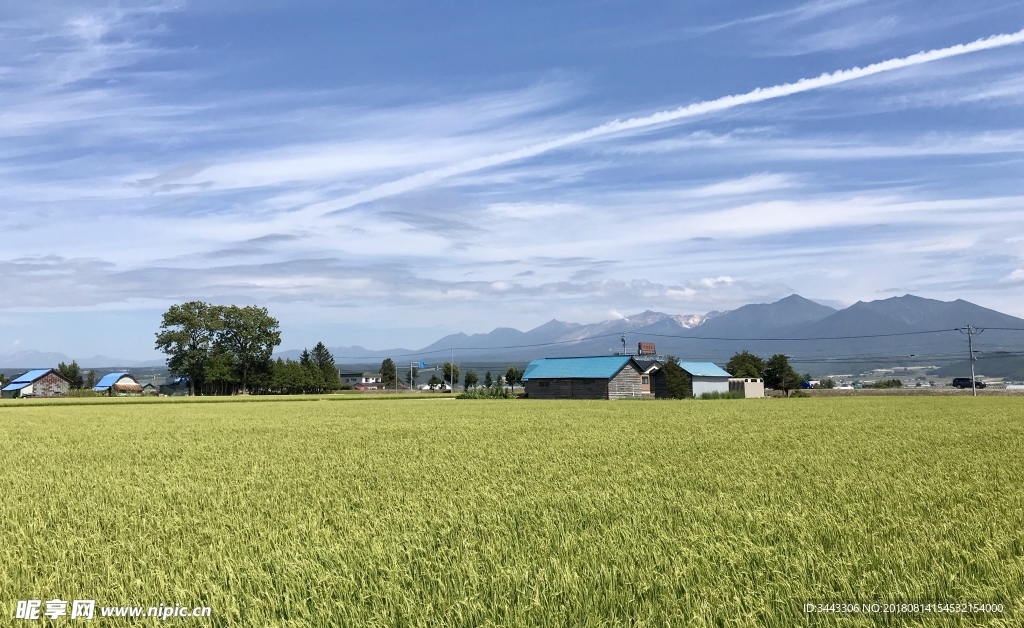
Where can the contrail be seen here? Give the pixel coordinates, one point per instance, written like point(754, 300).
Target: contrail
point(761, 94)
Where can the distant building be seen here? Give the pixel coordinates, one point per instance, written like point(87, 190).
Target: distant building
point(175, 387)
point(37, 383)
point(602, 377)
point(118, 384)
point(702, 377)
point(369, 386)
point(353, 379)
point(751, 387)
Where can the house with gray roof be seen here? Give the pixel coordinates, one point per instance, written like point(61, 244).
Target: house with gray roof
point(600, 377)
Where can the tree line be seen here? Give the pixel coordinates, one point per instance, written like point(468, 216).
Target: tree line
point(226, 349)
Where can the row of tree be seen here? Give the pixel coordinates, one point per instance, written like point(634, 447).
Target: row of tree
point(314, 372)
point(513, 377)
point(776, 371)
point(79, 380)
point(449, 373)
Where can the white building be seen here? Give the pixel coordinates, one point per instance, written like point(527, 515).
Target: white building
point(751, 387)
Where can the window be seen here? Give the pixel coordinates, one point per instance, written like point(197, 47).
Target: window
point(645, 380)
point(544, 384)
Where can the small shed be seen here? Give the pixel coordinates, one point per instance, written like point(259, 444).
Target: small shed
point(702, 377)
point(178, 387)
point(118, 384)
point(600, 377)
point(751, 387)
point(37, 383)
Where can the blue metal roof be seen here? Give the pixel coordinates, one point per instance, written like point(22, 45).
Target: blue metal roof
point(12, 386)
point(107, 381)
point(600, 367)
point(703, 369)
point(31, 376)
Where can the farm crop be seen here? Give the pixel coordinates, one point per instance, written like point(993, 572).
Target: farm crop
point(439, 512)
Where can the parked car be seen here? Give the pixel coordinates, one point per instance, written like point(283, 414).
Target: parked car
point(965, 382)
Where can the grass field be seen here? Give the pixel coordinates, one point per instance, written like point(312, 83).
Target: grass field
point(438, 512)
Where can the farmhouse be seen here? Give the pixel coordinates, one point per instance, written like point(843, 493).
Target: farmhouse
point(649, 367)
point(701, 377)
point(37, 383)
point(119, 384)
point(354, 379)
point(751, 387)
point(602, 377)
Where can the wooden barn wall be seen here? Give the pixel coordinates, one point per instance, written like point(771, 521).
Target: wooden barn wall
point(567, 388)
point(50, 385)
point(626, 384)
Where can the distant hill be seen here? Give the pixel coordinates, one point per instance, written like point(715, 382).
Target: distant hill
point(902, 331)
point(25, 360)
point(819, 338)
point(766, 320)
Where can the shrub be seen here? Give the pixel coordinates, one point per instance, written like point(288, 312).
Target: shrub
point(732, 394)
point(488, 392)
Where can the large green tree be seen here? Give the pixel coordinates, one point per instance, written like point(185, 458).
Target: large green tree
point(678, 384)
point(325, 362)
point(779, 375)
point(219, 374)
point(472, 379)
point(450, 377)
point(513, 376)
point(73, 372)
point(249, 334)
point(745, 364)
point(388, 373)
point(187, 334)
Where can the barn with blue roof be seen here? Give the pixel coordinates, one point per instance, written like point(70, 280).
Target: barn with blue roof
point(701, 377)
point(118, 384)
point(37, 383)
point(600, 377)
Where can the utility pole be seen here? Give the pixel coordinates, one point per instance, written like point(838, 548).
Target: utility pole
point(451, 371)
point(623, 337)
point(970, 331)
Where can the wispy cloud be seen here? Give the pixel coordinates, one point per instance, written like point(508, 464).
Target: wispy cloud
point(431, 177)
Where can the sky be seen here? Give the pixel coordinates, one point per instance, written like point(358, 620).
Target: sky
point(386, 172)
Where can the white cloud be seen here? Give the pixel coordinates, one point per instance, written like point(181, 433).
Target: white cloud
point(1016, 276)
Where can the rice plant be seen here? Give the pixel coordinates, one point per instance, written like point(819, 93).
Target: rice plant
point(434, 512)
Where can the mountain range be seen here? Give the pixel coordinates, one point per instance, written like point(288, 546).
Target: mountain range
point(900, 331)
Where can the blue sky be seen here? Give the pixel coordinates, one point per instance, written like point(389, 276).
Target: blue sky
point(382, 173)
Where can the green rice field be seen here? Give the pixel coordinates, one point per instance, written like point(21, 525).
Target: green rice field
point(441, 512)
